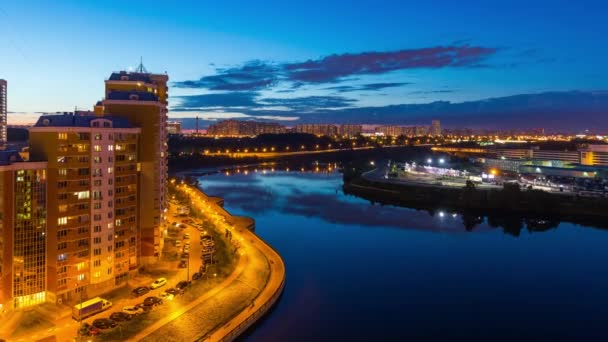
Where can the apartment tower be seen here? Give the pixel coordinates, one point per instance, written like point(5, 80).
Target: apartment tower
point(3, 114)
point(92, 207)
point(142, 98)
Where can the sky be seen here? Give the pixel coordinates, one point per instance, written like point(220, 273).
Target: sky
point(468, 63)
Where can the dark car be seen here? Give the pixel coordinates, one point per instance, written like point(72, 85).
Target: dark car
point(152, 301)
point(88, 330)
point(143, 307)
point(174, 291)
point(104, 323)
point(140, 291)
point(120, 316)
point(197, 276)
point(182, 284)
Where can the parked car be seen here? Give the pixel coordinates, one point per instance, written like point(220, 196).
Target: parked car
point(132, 310)
point(120, 316)
point(160, 282)
point(175, 291)
point(182, 284)
point(152, 301)
point(197, 276)
point(166, 296)
point(187, 236)
point(143, 307)
point(178, 243)
point(140, 291)
point(88, 330)
point(104, 323)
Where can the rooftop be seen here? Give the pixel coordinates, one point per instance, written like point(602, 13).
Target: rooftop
point(132, 95)
point(131, 76)
point(74, 120)
point(9, 156)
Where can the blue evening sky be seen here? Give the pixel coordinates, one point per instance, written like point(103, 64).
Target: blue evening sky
point(56, 54)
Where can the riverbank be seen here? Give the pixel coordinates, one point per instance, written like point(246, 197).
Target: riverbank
point(250, 292)
point(509, 200)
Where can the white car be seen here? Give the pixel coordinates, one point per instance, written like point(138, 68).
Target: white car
point(132, 310)
point(158, 283)
point(166, 296)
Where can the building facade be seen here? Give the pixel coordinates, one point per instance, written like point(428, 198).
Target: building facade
point(317, 129)
point(350, 130)
point(435, 128)
point(238, 128)
point(174, 127)
point(142, 99)
point(3, 114)
point(23, 232)
point(92, 209)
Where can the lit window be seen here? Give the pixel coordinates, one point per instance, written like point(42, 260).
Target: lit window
point(110, 169)
point(83, 194)
point(81, 277)
point(110, 147)
point(97, 148)
point(62, 136)
point(62, 221)
point(63, 172)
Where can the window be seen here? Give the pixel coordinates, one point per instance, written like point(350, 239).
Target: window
point(97, 136)
point(110, 169)
point(110, 148)
point(97, 263)
point(97, 182)
point(97, 160)
point(63, 172)
point(97, 240)
point(81, 277)
point(62, 136)
point(63, 208)
point(97, 217)
point(82, 194)
point(97, 251)
point(97, 148)
point(62, 221)
point(97, 229)
point(62, 257)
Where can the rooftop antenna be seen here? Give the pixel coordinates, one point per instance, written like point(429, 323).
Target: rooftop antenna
point(140, 68)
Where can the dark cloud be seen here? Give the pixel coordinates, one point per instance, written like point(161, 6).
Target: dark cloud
point(424, 92)
point(334, 67)
point(234, 99)
point(310, 102)
point(367, 87)
point(254, 75)
point(257, 75)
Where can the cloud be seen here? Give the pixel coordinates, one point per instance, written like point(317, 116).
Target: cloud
point(310, 102)
point(253, 75)
point(425, 92)
point(367, 87)
point(233, 99)
point(334, 67)
point(258, 75)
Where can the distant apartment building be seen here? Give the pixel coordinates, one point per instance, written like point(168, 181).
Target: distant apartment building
point(142, 98)
point(395, 131)
point(174, 127)
point(435, 128)
point(350, 130)
point(317, 129)
point(237, 128)
point(23, 232)
point(3, 114)
point(92, 209)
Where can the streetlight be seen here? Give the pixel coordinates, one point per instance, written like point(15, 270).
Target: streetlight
point(429, 161)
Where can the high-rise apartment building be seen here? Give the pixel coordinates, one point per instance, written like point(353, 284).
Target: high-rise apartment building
point(347, 130)
point(3, 114)
point(174, 127)
point(236, 128)
point(92, 208)
point(23, 232)
point(435, 128)
point(142, 98)
point(317, 129)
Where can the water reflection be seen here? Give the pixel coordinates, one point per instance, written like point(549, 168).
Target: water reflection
point(316, 192)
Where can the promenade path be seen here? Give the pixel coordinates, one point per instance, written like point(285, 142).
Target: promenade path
point(229, 309)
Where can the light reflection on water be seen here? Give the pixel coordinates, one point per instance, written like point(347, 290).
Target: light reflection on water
point(360, 271)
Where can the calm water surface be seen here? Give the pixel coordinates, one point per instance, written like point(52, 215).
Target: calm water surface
point(357, 271)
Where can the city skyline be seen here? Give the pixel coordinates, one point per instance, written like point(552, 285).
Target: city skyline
point(388, 64)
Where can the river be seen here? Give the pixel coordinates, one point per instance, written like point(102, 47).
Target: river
point(358, 271)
